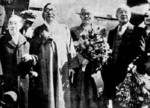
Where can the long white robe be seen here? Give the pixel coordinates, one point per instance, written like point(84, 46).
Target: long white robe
point(54, 49)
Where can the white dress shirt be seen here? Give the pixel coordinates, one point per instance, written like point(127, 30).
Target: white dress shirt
point(122, 29)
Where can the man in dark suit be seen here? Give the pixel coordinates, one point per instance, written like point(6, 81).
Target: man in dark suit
point(127, 43)
point(52, 51)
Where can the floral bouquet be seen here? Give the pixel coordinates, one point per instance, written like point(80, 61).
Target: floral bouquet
point(94, 47)
point(132, 92)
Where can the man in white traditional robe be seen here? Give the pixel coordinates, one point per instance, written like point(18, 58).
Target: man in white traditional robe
point(51, 52)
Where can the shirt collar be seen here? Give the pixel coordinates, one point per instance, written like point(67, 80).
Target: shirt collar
point(125, 25)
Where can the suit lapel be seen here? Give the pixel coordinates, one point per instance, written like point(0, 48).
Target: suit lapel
point(114, 34)
point(128, 31)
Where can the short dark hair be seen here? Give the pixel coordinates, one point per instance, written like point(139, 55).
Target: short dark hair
point(46, 6)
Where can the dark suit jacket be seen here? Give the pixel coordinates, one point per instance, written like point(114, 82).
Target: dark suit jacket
point(133, 44)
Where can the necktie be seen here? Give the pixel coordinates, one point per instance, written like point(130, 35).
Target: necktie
point(120, 32)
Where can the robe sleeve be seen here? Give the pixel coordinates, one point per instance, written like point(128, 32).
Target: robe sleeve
point(1, 71)
point(34, 46)
point(75, 59)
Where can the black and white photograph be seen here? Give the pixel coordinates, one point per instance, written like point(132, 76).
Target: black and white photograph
point(74, 53)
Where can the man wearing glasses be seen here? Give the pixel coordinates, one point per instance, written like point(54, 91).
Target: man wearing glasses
point(51, 51)
point(83, 87)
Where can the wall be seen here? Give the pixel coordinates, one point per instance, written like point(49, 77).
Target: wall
point(67, 9)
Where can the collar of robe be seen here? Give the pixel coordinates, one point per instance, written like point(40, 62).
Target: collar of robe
point(48, 41)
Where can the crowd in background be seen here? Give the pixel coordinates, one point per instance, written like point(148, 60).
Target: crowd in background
point(53, 66)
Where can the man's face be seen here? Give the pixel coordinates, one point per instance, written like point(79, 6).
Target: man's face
point(14, 25)
point(86, 17)
point(2, 15)
point(147, 19)
point(123, 15)
point(49, 13)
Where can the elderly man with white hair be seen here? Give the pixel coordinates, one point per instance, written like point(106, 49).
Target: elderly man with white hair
point(127, 42)
point(52, 50)
point(84, 89)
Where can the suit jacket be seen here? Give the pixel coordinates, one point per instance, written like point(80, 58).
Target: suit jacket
point(132, 45)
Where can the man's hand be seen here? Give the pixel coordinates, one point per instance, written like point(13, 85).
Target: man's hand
point(71, 74)
point(26, 58)
point(34, 74)
point(85, 62)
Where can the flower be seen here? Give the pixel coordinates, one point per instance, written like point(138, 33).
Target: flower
point(132, 91)
point(93, 46)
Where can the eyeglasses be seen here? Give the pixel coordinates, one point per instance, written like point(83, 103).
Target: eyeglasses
point(48, 10)
point(86, 13)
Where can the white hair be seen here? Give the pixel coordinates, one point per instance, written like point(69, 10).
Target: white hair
point(124, 7)
point(16, 18)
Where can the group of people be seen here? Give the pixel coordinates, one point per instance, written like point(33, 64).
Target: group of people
point(54, 69)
